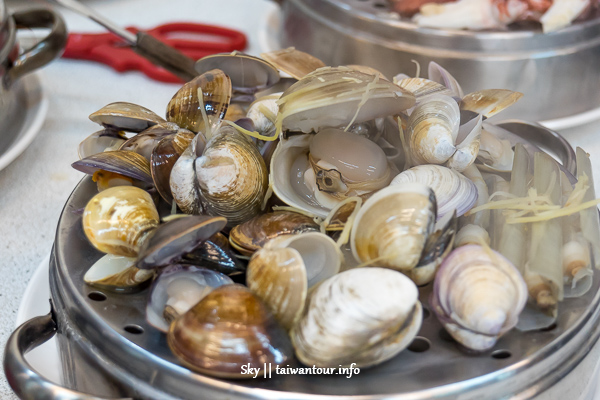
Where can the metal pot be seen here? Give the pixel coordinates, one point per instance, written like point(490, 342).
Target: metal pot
point(108, 349)
point(557, 72)
point(13, 64)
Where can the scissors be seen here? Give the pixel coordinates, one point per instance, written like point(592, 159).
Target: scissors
point(192, 39)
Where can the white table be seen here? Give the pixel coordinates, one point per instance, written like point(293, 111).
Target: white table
point(35, 187)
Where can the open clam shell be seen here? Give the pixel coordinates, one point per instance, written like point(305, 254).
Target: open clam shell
point(183, 180)
point(281, 272)
point(118, 220)
point(392, 227)
point(177, 237)
point(294, 62)
point(478, 296)
point(117, 274)
point(122, 162)
point(248, 74)
point(178, 288)
point(338, 97)
point(107, 139)
point(188, 111)
point(362, 317)
point(453, 191)
point(252, 235)
point(228, 329)
point(126, 116)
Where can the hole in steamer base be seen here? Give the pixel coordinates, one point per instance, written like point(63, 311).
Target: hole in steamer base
point(501, 354)
point(134, 329)
point(97, 296)
point(419, 345)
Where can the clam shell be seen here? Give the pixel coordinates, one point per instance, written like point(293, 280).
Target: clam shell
point(183, 181)
point(117, 274)
point(126, 116)
point(452, 189)
point(248, 74)
point(120, 162)
point(438, 74)
point(263, 112)
point(393, 225)
point(433, 128)
point(226, 330)
point(422, 88)
point(180, 287)
point(144, 142)
point(216, 254)
point(252, 235)
point(478, 296)
point(489, 102)
point(294, 62)
point(117, 220)
point(278, 277)
point(107, 139)
point(184, 109)
point(338, 97)
point(164, 156)
point(365, 69)
point(177, 237)
point(359, 317)
point(286, 267)
point(231, 176)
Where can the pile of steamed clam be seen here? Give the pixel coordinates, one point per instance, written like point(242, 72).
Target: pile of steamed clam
point(265, 225)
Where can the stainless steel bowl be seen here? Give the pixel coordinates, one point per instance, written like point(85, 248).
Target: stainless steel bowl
point(557, 72)
point(108, 349)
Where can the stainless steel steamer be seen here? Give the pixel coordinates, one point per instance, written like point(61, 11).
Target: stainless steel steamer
point(109, 350)
point(557, 72)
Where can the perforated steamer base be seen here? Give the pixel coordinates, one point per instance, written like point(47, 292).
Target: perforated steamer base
point(108, 348)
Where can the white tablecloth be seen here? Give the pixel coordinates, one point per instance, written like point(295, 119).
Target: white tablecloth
point(34, 188)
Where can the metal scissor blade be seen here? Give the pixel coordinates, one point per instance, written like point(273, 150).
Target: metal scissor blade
point(79, 8)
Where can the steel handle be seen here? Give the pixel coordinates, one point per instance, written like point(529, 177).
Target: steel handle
point(44, 51)
point(26, 382)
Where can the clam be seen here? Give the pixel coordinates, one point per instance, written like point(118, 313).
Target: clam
point(183, 180)
point(163, 158)
point(215, 253)
point(253, 234)
point(118, 164)
point(316, 172)
point(286, 267)
point(471, 234)
point(191, 112)
point(228, 329)
point(263, 113)
point(422, 88)
point(248, 74)
point(144, 142)
point(293, 62)
point(365, 69)
point(175, 238)
point(392, 227)
point(452, 189)
point(489, 102)
point(229, 179)
point(360, 317)
point(435, 135)
point(119, 219)
point(105, 140)
point(117, 274)
point(438, 246)
point(178, 288)
point(478, 296)
point(338, 97)
point(494, 153)
point(126, 117)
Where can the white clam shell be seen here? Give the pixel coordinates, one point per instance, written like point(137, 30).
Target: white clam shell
point(363, 316)
point(393, 225)
point(183, 181)
point(452, 189)
point(433, 129)
point(116, 272)
point(478, 296)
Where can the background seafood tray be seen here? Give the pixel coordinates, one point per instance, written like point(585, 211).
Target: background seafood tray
point(35, 187)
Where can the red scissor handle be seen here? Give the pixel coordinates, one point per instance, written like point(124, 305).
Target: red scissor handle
point(190, 38)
